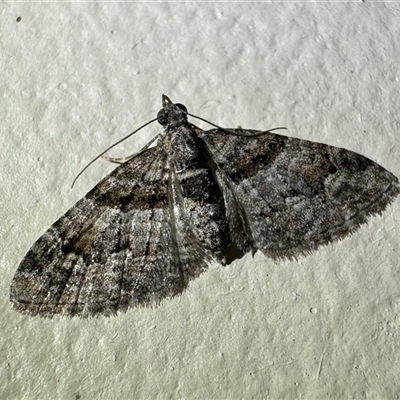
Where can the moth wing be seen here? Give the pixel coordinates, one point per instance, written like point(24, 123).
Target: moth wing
point(296, 195)
point(115, 249)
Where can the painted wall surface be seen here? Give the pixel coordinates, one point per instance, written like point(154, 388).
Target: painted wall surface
point(77, 77)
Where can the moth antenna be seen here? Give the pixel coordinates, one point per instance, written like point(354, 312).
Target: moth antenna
point(109, 148)
point(229, 132)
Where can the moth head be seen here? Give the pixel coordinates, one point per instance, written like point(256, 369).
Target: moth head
point(171, 115)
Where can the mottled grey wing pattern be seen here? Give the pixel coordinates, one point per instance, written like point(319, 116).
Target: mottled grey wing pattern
point(155, 222)
point(115, 249)
point(296, 195)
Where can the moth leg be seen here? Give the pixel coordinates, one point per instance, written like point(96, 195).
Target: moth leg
point(118, 160)
point(123, 160)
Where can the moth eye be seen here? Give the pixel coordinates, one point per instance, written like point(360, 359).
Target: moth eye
point(162, 117)
point(181, 106)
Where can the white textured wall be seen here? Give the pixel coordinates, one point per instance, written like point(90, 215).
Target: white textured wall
point(77, 77)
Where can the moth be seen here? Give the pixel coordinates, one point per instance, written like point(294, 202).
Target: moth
point(158, 220)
